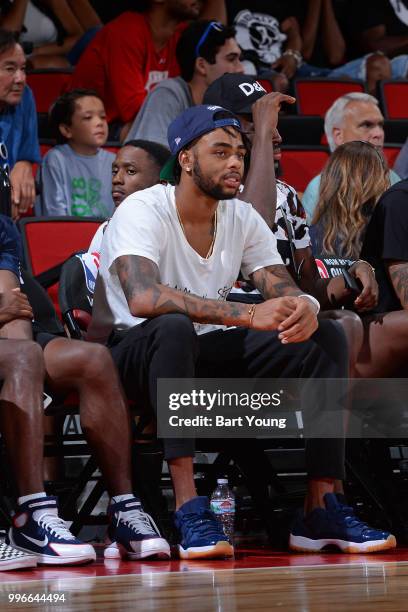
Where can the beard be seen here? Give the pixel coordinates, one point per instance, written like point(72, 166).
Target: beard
point(209, 186)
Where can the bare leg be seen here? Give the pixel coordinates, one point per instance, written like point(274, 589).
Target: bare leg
point(385, 350)
point(21, 414)
point(182, 475)
point(89, 369)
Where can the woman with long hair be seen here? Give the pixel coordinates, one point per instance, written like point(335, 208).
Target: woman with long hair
point(353, 180)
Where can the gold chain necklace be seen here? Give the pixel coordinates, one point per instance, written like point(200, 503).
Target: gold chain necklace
point(210, 250)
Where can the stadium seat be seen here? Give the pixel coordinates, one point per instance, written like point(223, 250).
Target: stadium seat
point(300, 165)
point(315, 96)
point(300, 130)
point(47, 85)
point(391, 152)
point(394, 98)
point(396, 130)
point(49, 241)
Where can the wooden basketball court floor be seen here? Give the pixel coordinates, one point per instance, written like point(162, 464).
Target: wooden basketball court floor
point(257, 579)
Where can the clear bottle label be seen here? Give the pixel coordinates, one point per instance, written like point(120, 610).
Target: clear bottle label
point(223, 506)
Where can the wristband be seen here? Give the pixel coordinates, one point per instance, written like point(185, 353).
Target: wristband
point(312, 299)
point(251, 312)
point(296, 55)
point(365, 262)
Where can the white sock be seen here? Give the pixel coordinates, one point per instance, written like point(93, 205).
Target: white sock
point(26, 498)
point(121, 498)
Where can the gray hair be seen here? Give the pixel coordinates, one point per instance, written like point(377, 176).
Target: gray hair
point(335, 115)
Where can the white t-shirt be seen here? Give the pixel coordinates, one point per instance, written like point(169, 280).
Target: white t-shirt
point(146, 224)
point(96, 242)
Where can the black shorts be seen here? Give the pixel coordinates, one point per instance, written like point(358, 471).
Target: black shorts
point(43, 338)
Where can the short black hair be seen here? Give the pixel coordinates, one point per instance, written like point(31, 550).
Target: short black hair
point(8, 40)
point(159, 154)
point(63, 109)
point(186, 46)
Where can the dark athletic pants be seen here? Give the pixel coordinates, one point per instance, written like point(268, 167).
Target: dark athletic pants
point(168, 347)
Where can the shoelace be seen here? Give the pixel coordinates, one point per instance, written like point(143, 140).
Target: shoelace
point(55, 525)
point(139, 521)
point(347, 512)
point(204, 523)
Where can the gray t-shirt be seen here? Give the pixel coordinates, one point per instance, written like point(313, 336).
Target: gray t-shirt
point(78, 185)
point(163, 104)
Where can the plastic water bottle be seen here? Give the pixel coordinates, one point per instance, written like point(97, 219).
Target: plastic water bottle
point(223, 506)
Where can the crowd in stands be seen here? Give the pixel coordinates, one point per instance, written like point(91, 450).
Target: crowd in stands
point(192, 280)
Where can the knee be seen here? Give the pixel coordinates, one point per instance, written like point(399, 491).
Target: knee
point(27, 359)
point(378, 67)
point(94, 363)
point(353, 328)
point(178, 327)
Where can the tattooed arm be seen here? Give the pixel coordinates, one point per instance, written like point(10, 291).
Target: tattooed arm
point(275, 281)
point(398, 272)
point(148, 297)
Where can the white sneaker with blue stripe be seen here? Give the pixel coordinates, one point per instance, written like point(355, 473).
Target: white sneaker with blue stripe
point(132, 533)
point(37, 529)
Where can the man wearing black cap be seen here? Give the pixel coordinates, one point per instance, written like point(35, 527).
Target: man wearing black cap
point(169, 259)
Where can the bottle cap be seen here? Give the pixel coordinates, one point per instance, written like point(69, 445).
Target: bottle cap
point(222, 480)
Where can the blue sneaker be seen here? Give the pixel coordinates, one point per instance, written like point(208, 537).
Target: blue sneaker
point(132, 534)
point(37, 529)
point(202, 535)
point(337, 525)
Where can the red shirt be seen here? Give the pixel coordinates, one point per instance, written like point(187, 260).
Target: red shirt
point(122, 65)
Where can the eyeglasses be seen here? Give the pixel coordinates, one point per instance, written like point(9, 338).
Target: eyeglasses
point(213, 25)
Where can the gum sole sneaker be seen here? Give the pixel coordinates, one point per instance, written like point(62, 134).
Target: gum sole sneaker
point(201, 533)
point(338, 526)
point(219, 550)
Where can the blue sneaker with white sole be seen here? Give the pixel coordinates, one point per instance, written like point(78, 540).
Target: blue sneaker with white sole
point(132, 533)
point(37, 529)
point(202, 535)
point(337, 525)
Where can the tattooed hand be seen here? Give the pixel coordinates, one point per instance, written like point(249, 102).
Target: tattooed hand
point(301, 324)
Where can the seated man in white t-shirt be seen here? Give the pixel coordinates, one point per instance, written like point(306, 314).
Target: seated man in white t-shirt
point(169, 259)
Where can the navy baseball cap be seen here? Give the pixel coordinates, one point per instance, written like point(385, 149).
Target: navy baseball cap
point(191, 124)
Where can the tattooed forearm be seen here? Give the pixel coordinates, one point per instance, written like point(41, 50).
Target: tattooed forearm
point(274, 281)
point(147, 297)
point(399, 278)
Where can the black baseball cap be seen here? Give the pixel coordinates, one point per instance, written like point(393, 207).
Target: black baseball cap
point(191, 124)
point(237, 92)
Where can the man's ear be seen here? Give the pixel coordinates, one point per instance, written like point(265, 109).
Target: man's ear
point(185, 160)
point(65, 130)
point(338, 136)
point(201, 66)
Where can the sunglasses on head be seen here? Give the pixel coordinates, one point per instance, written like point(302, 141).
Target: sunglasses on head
point(213, 25)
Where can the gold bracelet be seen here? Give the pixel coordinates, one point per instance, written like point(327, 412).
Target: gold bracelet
point(251, 312)
point(366, 262)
